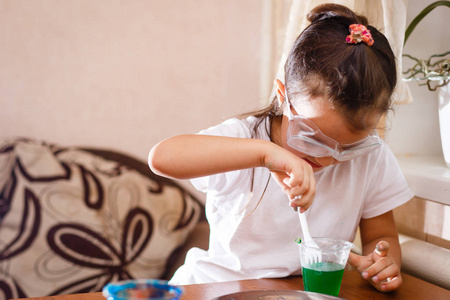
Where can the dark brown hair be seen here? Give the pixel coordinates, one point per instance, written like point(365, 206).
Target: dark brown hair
point(357, 79)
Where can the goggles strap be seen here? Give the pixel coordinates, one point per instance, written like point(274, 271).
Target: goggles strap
point(288, 103)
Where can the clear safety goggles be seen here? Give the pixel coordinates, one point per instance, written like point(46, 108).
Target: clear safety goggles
point(304, 136)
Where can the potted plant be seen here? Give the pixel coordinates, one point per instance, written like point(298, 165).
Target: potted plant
point(434, 70)
point(428, 70)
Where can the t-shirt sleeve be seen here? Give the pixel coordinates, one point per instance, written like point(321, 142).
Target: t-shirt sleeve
point(388, 188)
point(229, 128)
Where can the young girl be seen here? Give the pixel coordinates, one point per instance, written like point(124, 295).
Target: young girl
point(316, 141)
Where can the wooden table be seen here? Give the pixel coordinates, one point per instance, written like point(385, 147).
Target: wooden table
point(353, 287)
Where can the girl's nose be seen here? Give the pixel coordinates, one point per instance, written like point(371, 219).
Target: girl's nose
point(325, 161)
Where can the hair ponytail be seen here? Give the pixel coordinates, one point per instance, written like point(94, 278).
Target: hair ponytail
point(327, 11)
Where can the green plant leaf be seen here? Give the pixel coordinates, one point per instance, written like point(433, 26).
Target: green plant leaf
point(421, 15)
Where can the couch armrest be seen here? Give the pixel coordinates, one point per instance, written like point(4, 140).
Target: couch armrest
point(425, 261)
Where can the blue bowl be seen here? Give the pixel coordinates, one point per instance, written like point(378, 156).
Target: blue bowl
point(135, 289)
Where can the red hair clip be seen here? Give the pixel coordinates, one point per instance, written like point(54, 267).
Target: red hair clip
point(359, 33)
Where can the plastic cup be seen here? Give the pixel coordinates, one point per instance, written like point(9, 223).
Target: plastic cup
point(139, 289)
point(326, 276)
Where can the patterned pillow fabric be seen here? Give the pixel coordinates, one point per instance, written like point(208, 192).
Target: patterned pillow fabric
point(72, 220)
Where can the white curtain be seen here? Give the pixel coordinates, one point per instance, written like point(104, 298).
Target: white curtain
point(283, 20)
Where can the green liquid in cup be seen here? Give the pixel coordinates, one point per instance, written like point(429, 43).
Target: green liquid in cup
point(323, 277)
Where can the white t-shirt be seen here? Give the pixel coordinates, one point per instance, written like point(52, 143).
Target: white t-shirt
point(251, 240)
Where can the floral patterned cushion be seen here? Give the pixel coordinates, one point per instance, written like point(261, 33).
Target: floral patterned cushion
point(72, 220)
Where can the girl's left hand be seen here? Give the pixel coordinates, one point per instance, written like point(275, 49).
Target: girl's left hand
point(379, 268)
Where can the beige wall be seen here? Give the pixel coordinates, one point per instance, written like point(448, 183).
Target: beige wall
point(125, 74)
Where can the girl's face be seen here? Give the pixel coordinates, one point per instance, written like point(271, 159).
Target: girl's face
point(330, 122)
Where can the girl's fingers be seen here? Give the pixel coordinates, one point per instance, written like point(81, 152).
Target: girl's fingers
point(356, 260)
point(301, 202)
point(378, 256)
point(386, 274)
point(376, 268)
point(279, 178)
point(300, 189)
point(305, 187)
point(382, 248)
point(309, 196)
point(304, 196)
point(391, 284)
point(298, 184)
point(387, 279)
point(300, 175)
point(296, 180)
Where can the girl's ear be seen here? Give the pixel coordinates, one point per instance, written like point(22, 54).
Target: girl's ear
point(280, 91)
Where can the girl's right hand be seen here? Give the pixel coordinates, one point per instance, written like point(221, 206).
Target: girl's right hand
point(295, 176)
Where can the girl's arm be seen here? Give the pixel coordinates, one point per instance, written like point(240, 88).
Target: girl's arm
point(189, 156)
point(381, 260)
point(381, 228)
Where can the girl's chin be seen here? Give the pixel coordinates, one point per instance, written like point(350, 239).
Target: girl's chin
point(313, 165)
point(305, 157)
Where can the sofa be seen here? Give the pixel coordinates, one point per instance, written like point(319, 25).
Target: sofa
point(73, 219)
